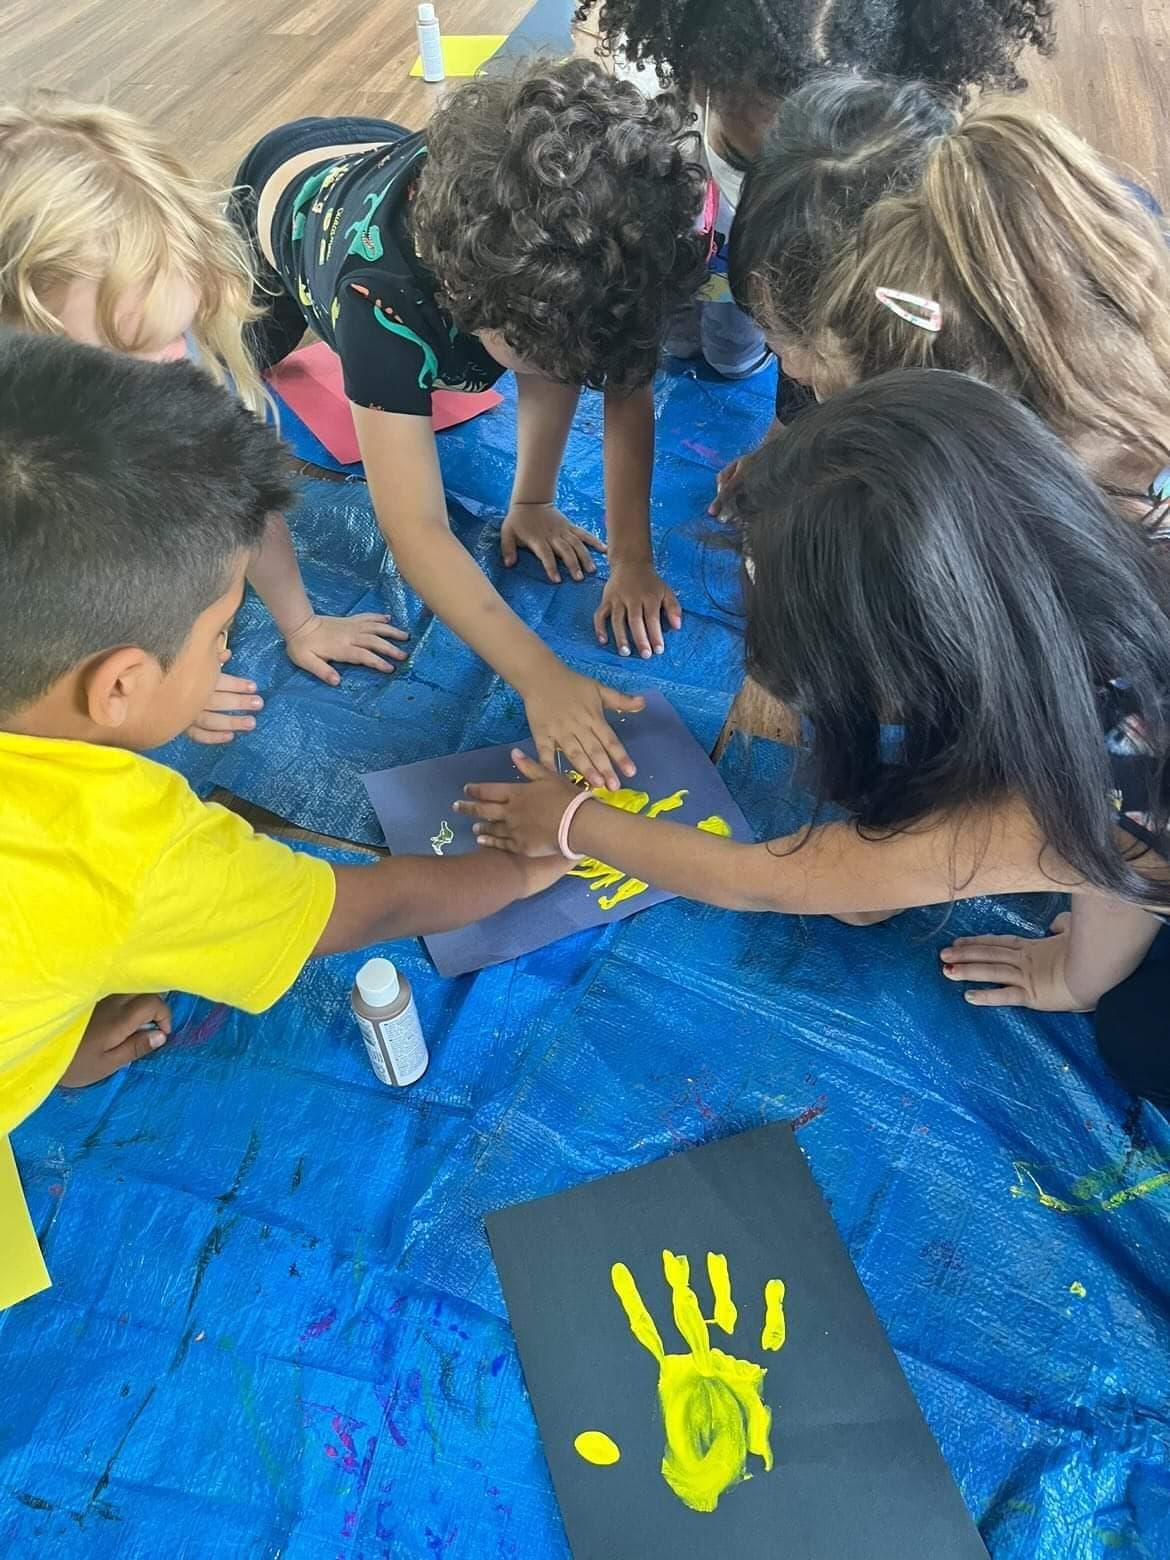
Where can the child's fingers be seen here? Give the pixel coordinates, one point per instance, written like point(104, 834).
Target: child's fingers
point(210, 738)
point(995, 974)
point(382, 627)
point(619, 624)
point(492, 843)
point(530, 769)
point(581, 552)
point(494, 792)
point(380, 647)
point(624, 703)
point(509, 549)
point(601, 623)
point(672, 608)
point(1003, 996)
point(586, 754)
point(614, 750)
point(132, 1049)
point(589, 539)
point(485, 812)
point(359, 657)
point(149, 1008)
point(967, 945)
point(562, 546)
point(636, 619)
point(213, 721)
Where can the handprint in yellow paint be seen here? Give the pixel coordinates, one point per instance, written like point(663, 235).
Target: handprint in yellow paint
point(713, 1410)
point(600, 876)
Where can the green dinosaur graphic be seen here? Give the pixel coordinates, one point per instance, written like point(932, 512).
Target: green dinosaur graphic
point(304, 195)
point(430, 365)
point(364, 238)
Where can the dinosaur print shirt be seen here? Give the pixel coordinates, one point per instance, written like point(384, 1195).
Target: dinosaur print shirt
point(341, 236)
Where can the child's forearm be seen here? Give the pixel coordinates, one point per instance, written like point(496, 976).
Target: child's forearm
point(414, 896)
point(457, 591)
point(629, 461)
point(834, 869)
point(1108, 939)
point(275, 576)
point(544, 415)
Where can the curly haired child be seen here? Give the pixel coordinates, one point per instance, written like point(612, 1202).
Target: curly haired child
point(107, 236)
point(543, 223)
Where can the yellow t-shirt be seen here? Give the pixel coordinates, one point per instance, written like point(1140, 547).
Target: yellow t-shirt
point(115, 877)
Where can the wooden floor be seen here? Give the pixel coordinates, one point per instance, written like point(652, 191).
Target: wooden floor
point(215, 74)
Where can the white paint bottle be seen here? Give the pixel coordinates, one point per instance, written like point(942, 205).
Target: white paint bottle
point(383, 1005)
point(430, 44)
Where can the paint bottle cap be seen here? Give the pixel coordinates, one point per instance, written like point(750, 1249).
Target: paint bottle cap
point(426, 13)
point(377, 983)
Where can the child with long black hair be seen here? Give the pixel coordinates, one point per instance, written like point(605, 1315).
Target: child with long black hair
point(921, 551)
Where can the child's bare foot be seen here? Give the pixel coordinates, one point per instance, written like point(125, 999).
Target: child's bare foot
point(115, 1036)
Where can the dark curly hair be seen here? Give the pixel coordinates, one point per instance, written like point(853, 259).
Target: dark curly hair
point(767, 48)
point(558, 206)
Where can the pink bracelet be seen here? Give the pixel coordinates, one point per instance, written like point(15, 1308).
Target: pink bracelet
point(567, 817)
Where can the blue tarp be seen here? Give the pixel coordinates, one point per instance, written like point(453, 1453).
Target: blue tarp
point(275, 1328)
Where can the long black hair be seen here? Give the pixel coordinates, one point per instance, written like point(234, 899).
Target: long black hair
point(924, 552)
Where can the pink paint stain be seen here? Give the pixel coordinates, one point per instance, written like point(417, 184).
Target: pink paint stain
point(810, 1113)
point(704, 451)
point(320, 1325)
point(56, 1189)
point(206, 1029)
point(388, 1405)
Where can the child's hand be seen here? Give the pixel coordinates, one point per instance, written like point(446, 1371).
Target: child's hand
point(115, 1037)
point(362, 640)
point(567, 711)
point(541, 872)
point(547, 533)
point(522, 819)
point(1030, 972)
point(635, 598)
point(725, 485)
point(217, 724)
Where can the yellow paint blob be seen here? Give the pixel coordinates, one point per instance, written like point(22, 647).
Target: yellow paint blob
point(597, 874)
point(713, 1411)
point(597, 1448)
point(1077, 1289)
point(775, 1328)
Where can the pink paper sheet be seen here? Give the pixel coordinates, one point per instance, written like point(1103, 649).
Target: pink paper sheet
point(310, 382)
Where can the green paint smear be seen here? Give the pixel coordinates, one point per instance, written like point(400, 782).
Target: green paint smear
point(1098, 1191)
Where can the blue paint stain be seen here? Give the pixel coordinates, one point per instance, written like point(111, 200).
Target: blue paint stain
point(498, 1364)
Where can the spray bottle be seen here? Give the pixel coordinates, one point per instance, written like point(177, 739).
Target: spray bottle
point(430, 44)
point(388, 1019)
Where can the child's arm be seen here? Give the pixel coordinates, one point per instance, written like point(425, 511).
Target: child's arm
point(830, 870)
point(544, 415)
point(1092, 948)
point(565, 710)
point(635, 598)
point(313, 641)
point(413, 896)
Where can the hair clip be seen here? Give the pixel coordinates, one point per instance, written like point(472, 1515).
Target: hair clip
point(930, 315)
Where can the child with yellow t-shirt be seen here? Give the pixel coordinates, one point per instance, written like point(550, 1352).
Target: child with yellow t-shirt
point(132, 497)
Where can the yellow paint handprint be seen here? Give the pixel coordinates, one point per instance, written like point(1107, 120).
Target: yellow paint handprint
point(713, 1410)
point(600, 876)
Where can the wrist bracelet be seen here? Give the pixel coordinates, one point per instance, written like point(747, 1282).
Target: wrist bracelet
point(567, 817)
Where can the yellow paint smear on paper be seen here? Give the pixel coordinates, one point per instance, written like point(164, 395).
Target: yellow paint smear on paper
point(712, 1404)
point(464, 53)
point(597, 1448)
point(775, 1329)
point(598, 875)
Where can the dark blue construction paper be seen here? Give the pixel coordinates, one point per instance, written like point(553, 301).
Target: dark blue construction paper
point(414, 807)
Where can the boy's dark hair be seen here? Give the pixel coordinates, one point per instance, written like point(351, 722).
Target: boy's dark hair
point(925, 551)
point(127, 492)
point(836, 147)
point(558, 206)
point(768, 48)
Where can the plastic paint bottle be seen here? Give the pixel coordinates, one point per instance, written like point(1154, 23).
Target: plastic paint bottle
point(384, 1007)
point(430, 44)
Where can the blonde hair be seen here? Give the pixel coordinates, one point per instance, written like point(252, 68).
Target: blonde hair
point(1053, 281)
point(88, 193)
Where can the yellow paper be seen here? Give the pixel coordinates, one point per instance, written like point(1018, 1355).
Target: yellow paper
point(22, 1268)
point(464, 53)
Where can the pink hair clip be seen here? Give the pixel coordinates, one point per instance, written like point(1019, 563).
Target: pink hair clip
point(922, 312)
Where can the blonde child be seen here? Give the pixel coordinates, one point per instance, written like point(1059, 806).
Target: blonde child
point(107, 236)
point(1002, 247)
point(923, 551)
